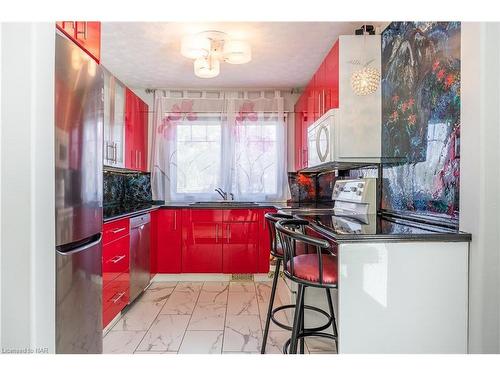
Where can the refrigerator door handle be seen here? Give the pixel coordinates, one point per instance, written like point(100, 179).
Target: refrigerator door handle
point(82, 248)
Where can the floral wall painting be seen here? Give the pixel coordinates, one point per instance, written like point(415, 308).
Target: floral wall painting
point(421, 117)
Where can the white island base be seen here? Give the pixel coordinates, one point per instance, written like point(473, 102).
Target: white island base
point(399, 297)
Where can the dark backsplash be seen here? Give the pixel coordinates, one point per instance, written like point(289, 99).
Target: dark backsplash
point(318, 187)
point(126, 187)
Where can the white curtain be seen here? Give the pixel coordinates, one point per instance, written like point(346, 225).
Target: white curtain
point(233, 142)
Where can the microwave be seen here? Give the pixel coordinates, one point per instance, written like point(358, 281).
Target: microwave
point(321, 146)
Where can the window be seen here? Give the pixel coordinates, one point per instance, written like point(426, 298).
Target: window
point(256, 158)
point(243, 159)
point(197, 167)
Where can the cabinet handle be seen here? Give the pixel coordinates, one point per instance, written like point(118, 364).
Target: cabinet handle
point(84, 32)
point(175, 220)
point(140, 160)
point(72, 26)
point(118, 297)
point(117, 258)
point(228, 229)
point(118, 230)
point(216, 233)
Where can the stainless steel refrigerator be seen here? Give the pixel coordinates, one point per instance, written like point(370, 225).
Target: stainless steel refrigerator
point(79, 116)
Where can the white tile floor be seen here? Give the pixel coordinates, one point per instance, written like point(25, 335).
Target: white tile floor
point(203, 318)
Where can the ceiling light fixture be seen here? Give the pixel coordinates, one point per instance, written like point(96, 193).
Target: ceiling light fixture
point(209, 48)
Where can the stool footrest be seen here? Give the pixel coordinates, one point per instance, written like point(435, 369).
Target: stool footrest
point(309, 334)
point(307, 307)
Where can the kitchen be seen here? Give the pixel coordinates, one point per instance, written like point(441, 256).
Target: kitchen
point(208, 187)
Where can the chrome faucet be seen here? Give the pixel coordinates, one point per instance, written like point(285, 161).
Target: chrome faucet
point(224, 195)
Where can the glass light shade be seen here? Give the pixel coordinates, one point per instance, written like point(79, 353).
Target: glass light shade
point(195, 46)
point(365, 81)
point(237, 52)
point(206, 67)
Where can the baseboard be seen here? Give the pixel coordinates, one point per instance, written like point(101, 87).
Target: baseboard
point(112, 323)
point(159, 277)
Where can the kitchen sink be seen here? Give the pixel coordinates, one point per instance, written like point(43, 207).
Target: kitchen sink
point(223, 204)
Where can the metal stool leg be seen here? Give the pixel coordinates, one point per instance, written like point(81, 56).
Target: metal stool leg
point(271, 303)
point(332, 313)
point(297, 319)
point(302, 325)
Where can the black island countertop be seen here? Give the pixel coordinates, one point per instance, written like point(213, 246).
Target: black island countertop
point(379, 228)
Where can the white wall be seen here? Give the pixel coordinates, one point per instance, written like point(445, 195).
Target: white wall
point(27, 220)
point(480, 179)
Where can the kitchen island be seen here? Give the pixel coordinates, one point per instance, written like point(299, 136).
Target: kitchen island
point(403, 287)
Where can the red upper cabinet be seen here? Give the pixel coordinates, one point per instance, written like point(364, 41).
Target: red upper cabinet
point(84, 33)
point(332, 78)
point(168, 233)
point(301, 124)
point(136, 132)
point(320, 95)
point(319, 91)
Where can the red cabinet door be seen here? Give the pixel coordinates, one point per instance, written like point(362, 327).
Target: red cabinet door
point(130, 135)
point(84, 33)
point(142, 140)
point(115, 259)
point(264, 242)
point(168, 233)
point(115, 229)
point(115, 296)
point(300, 125)
point(202, 241)
point(319, 91)
point(241, 246)
point(332, 77)
point(136, 132)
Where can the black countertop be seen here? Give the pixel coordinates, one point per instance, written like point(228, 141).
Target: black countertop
point(115, 212)
point(372, 228)
point(375, 228)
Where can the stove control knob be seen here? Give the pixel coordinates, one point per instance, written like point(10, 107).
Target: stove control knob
point(360, 184)
point(354, 188)
point(360, 192)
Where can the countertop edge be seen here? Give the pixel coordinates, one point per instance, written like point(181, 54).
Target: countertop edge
point(130, 214)
point(401, 237)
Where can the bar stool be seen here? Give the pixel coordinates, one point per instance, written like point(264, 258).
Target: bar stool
point(277, 251)
point(316, 269)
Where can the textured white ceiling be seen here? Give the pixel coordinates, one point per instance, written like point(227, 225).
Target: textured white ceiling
point(284, 54)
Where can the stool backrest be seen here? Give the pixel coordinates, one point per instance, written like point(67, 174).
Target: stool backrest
point(291, 233)
point(271, 220)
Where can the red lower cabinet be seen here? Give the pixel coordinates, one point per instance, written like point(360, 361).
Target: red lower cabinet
point(115, 296)
point(241, 247)
point(168, 241)
point(264, 242)
point(210, 241)
point(202, 241)
point(115, 269)
point(115, 259)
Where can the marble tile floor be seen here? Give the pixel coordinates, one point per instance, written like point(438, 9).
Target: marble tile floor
point(208, 317)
